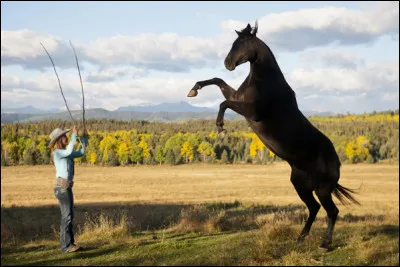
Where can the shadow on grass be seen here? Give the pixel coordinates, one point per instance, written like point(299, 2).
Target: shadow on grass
point(25, 249)
point(65, 258)
point(24, 224)
point(20, 225)
point(147, 222)
point(391, 231)
point(363, 218)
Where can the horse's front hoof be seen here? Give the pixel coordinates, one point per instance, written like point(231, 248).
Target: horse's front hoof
point(192, 93)
point(300, 239)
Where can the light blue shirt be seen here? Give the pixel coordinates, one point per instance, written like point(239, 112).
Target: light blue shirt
point(64, 158)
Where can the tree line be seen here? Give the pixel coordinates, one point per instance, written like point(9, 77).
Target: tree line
point(357, 138)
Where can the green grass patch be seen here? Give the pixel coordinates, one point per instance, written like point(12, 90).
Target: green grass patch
point(216, 234)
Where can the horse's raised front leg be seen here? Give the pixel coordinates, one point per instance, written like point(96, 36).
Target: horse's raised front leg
point(237, 106)
point(226, 90)
point(232, 101)
point(220, 119)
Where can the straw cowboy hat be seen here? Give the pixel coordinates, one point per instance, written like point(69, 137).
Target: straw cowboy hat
point(57, 133)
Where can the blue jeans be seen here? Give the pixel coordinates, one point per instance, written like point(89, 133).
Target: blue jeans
point(66, 202)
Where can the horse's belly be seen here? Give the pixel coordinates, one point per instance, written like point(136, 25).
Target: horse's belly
point(272, 140)
point(294, 143)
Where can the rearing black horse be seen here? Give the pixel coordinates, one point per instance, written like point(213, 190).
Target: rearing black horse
point(269, 105)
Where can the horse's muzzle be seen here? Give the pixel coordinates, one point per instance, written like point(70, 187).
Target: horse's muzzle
point(228, 63)
point(230, 68)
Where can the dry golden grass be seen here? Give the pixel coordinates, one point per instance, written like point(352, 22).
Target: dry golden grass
point(194, 184)
point(196, 215)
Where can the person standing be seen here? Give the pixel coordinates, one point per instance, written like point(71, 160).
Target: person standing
point(63, 157)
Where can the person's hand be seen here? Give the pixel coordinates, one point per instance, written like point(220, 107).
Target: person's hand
point(75, 130)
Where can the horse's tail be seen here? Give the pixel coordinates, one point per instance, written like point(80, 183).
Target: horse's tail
point(344, 194)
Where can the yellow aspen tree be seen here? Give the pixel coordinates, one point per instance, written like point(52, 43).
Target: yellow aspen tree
point(123, 153)
point(187, 151)
point(78, 160)
point(145, 147)
point(357, 150)
point(271, 154)
point(213, 135)
point(253, 148)
point(93, 158)
point(206, 150)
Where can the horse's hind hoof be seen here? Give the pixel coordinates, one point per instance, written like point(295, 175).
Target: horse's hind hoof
point(324, 247)
point(300, 239)
point(222, 134)
point(192, 93)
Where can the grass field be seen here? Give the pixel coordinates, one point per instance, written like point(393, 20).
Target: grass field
point(196, 215)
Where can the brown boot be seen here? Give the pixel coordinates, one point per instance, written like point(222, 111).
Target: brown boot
point(73, 249)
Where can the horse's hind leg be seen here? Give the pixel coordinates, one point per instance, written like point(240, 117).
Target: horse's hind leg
point(325, 197)
point(300, 181)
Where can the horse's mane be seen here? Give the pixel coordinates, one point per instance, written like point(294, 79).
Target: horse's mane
point(291, 93)
point(250, 31)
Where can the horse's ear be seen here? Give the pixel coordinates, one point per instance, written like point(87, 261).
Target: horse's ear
point(245, 31)
point(238, 33)
point(255, 29)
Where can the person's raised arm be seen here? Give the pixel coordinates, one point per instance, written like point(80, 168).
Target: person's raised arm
point(69, 149)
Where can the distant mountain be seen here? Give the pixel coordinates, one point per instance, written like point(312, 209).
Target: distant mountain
point(170, 107)
point(163, 112)
point(27, 110)
point(117, 115)
point(14, 117)
point(308, 113)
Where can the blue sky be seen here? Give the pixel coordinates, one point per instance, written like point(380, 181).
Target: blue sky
point(337, 56)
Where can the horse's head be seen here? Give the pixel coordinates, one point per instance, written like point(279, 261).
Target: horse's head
point(242, 48)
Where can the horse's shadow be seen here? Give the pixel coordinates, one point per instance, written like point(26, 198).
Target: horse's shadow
point(42, 222)
point(26, 224)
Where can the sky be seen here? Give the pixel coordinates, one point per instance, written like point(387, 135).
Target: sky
point(337, 56)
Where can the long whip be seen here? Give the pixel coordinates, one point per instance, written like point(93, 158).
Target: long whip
point(59, 83)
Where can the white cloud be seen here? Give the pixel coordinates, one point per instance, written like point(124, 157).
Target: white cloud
point(110, 93)
point(290, 31)
point(324, 89)
point(332, 57)
point(359, 103)
point(312, 96)
point(14, 44)
point(313, 27)
point(41, 82)
point(121, 64)
point(38, 99)
point(375, 77)
point(391, 96)
point(22, 47)
point(111, 74)
point(167, 51)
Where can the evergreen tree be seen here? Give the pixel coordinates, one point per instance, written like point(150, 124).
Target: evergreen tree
point(159, 154)
point(224, 157)
point(31, 156)
point(136, 154)
point(170, 157)
point(112, 159)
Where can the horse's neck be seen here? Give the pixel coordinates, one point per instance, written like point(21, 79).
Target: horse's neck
point(265, 67)
point(265, 71)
